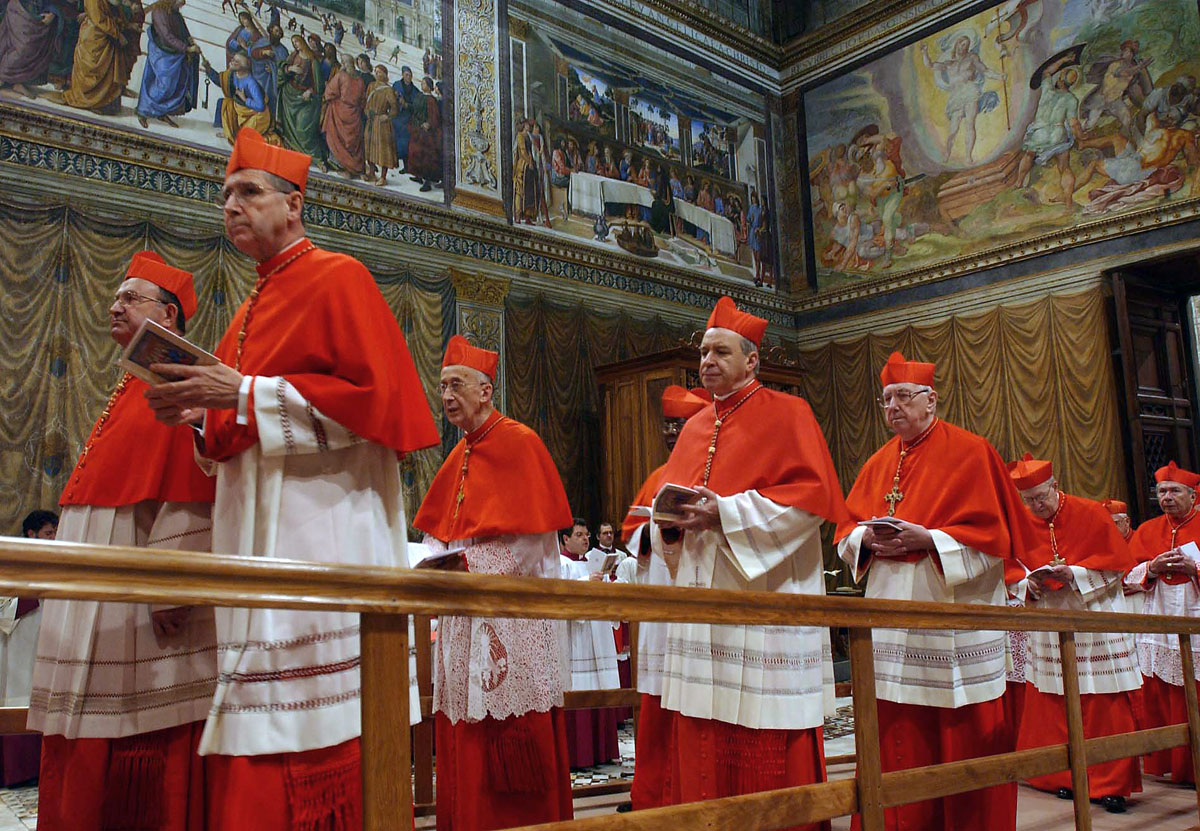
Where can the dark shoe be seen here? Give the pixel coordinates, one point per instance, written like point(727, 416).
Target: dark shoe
point(1065, 793)
point(1113, 804)
point(425, 188)
point(624, 807)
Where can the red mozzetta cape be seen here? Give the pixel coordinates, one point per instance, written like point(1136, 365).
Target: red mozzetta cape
point(772, 444)
point(645, 496)
point(1153, 537)
point(136, 458)
point(1085, 534)
point(322, 324)
point(511, 487)
point(953, 481)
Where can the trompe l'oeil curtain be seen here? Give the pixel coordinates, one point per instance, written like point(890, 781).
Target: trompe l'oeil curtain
point(59, 269)
point(1034, 377)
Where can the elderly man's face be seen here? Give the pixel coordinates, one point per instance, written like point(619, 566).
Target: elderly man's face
point(466, 398)
point(258, 218)
point(1123, 524)
point(577, 543)
point(136, 301)
point(1041, 500)
point(724, 367)
point(670, 431)
point(605, 535)
point(908, 408)
point(1175, 499)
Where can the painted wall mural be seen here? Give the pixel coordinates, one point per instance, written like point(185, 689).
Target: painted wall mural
point(1030, 117)
point(357, 84)
point(630, 156)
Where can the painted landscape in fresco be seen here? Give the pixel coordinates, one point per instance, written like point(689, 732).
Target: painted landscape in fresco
point(635, 158)
point(1031, 117)
point(354, 83)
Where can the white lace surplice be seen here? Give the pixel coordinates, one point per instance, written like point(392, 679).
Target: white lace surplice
point(761, 677)
point(1159, 654)
point(101, 671)
point(935, 668)
point(500, 667)
point(1107, 662)
point(308, 490)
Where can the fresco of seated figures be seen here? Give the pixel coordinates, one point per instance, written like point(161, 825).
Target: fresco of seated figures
point(1029, 118)
point(632, 150)
point(357, 84)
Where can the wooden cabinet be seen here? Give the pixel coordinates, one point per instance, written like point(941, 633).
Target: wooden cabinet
point(631, 416)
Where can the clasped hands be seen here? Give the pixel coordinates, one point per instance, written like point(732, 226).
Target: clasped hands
point(193, 390)
point(1052, 579)
point(1172, 562)
point(893, 542)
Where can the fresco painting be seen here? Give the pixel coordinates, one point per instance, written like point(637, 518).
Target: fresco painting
point(630, 159)
point(1030, 117)
point(353, 83)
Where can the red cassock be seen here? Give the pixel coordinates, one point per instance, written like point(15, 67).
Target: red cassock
point(771, 444)
point(956, 482)
point(1085, 536)
point(499, 773)
point(89, 784)
point(326, 329)
point(1164, 703)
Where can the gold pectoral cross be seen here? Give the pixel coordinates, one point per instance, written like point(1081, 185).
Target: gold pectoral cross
point(462, 482)
point(892, 498)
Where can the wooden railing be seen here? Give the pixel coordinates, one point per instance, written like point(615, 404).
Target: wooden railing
point(386, 597)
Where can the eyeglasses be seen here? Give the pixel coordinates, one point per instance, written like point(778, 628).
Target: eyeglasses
point(901, 397)
point(244, 192)
point(129, 298)
point(1043, 498)
point(455, 387)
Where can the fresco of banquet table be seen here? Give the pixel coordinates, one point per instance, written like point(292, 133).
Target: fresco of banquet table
point(326, 78)
point(1031, 117)
point(634, 150)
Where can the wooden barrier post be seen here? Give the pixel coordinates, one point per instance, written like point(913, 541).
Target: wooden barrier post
point(423, 732)
point(866, 730)
point(1076, 755)
point(386, 757)
point(1193, 710)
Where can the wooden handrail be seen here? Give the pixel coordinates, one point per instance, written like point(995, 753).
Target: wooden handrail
point(33, 568)
point(385, 597)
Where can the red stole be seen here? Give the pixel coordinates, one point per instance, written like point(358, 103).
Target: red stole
point(953, 481)
point(135, 457)
point(321, 323)
point(511, 486)
point(771, 444)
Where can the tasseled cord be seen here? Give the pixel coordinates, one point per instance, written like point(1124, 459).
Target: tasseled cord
point(133, 792)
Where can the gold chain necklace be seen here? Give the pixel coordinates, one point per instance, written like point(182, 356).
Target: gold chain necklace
point(104, 416)
point(258, 287)
point(719, 420)
point(895, 495)
point(462, 481)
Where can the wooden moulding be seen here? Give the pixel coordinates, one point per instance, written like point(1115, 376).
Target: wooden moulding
point(869, 773)
point(113, 573)
point(1076, 754)
point(386, 754)
point(12, 720)
point(1193, 710)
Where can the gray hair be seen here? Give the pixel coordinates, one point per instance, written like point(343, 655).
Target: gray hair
point(279, 183)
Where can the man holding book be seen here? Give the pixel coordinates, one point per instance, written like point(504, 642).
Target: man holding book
point(497, 682)
point(305, 417)
point(935, 505)
point(121, 690)
point(1166, 550)
point(748, 701)
point(1082, 560)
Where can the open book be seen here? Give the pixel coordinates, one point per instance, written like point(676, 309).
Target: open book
point(668, 505)
point(883, 522)
point(421, 556)
point(152, 344)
